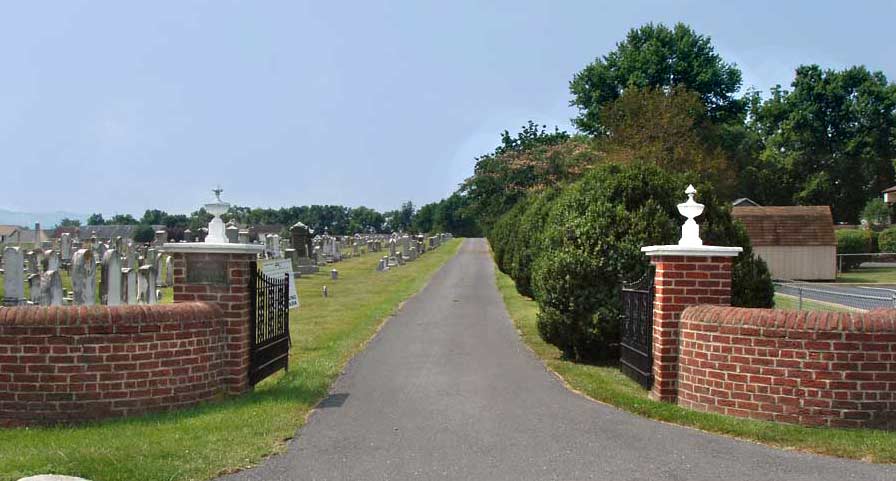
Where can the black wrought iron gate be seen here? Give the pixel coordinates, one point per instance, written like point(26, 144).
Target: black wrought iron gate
point(269, 324)
point(636, 353)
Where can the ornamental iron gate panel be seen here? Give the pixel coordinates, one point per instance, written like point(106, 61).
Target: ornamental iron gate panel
point(269, 325)
point(636, 353)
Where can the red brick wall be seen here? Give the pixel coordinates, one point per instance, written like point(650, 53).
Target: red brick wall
point(681, 281)
point(810, 368)
point(234, 301)
point(66, 364)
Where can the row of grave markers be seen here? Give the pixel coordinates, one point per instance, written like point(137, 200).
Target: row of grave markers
point(124, 279)
point(407, 248)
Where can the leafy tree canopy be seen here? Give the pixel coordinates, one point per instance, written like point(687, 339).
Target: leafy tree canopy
point(96, 219)
point(828, 141)
point(655, 55)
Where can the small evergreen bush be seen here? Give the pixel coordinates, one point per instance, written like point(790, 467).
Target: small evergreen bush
point(852, 241)
point(886, 241)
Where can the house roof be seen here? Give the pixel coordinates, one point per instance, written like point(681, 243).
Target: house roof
point(102, 231)
point(810, 225)
point(25, 236)
point(889, 189)
point(745, 201)
point(5, 230)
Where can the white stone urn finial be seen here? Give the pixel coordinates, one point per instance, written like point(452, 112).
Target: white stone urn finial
point(216, 230)
point(690, 231)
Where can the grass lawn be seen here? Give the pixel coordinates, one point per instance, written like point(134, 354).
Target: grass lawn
point(607, 384)
point(869, 275)
point(784, 301)
point(214, 438)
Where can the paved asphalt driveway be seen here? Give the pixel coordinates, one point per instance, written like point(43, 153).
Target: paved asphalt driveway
point(447, 391)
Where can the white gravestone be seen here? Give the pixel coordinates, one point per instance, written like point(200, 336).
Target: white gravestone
point(111, 281)
point(129, 281)
point(13, 277)
point(34, 288)
point(65, 245)
point(51, 288)
point(146, 286)
point(169, 272)
point(83, 278)
point(52, 261)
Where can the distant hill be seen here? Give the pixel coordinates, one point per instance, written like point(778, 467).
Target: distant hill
point(46, 219)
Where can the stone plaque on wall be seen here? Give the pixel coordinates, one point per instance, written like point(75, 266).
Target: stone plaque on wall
point(206, 271)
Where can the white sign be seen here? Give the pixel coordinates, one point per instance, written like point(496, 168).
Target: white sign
point(277, 268)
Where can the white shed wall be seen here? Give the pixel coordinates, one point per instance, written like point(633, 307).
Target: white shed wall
point(800, 262)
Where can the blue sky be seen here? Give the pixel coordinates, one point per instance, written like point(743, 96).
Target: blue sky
point(117, 107)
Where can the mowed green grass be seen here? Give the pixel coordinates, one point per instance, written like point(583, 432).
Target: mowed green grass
point(607, 384)
point(869, 275)
point(219, 437)
point(792, 303)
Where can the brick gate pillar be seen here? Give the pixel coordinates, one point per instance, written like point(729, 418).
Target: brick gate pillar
point(684, 277)
point(219, 274)
point(687, 274)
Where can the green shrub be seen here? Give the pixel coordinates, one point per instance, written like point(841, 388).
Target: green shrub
point(886, 241)
point(573, 313)
point(527, 240)
point(751, 283)
point(876, 212)
point(852, 241)
point(144, 233)
point(592, 242)
point(500, 236)
point(874, 241)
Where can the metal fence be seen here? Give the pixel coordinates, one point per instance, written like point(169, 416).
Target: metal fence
point(853, 261)
point(859, 298)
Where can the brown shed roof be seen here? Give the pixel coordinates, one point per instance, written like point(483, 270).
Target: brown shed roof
point(788, 225)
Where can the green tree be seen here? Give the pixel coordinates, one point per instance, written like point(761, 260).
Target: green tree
point(153, 217)
point(95, 219)
point(122, 219)
point(425, 218)
point(364, 219)
point(656, 56)
point(670, 128)
point(876, 212)
point(831, 140)
point(144, 233)
point(530, 135)
point(454, 216)
point(500, 180)
point(66, 222)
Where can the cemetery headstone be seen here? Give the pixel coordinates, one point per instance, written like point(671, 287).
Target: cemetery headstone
point(146, 289)
point(13, 276)
point(65, 247)
point(232, 233)
point(83, 278)
point(51, 288)
point(34, 288)
point(129, 283)
point(169, 272)
point(110, 283)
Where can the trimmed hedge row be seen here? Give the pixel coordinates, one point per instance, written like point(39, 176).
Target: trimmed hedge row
point(571, 249)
